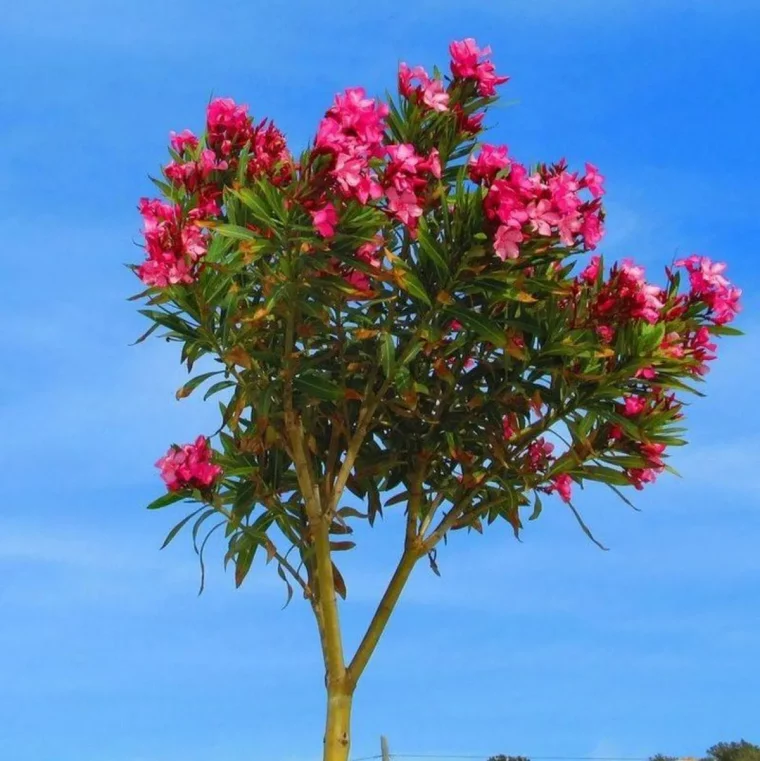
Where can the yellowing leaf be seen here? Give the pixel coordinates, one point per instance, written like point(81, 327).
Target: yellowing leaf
point(238, 356)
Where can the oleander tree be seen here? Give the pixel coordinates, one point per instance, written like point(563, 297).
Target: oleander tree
point(404, 316)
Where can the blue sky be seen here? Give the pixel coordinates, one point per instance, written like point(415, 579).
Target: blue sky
point(549, 647)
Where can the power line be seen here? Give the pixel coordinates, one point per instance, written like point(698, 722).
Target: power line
point(483, 757)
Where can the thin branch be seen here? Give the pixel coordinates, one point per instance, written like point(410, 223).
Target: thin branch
point(411, 554)
point(326, 607)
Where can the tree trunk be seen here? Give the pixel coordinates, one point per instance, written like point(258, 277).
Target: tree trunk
point(338, 729)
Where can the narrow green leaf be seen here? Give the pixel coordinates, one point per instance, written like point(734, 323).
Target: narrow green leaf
point(217, 387)
point(147, 333)
point(429, 249)
point(167, 499)
point(236, 232)
point(487, 329)
point(193, 383)
point(585, 528)
point(537, 507)
point(409, 281)
point(244, 559)
point(318, 386)
point(387, 354)
point(179, 527)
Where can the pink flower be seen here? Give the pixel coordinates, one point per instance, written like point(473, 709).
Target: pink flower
point(358, 280)
point(466, 63)
point(228, 126)
point(488, 79)
point(592, 230)
point(404, 158)
point(709, 286)
point(591, 273)
point(641, 476)
point(539, 454)
point(406, 178)
point(407, 77)
point(435, 97)
point(160, 273)
point(606, 333)
point(353, 131)
point(468, 123)
point(593, 181)
point(633, 406)
point(189, 466)
point(324, 220)
point(185, 139)
point(404, 206)
point(652, 453)
point(172, 245)
point(455, 325)
point(433, 163)
point(370, 252)
point(647, 373)
point(543, 217)
point(488, 163)
point(630, 293)
point(348, 171)
point(465, 56)
point(506, 242)
point(269, 154)
point(360, 116)
point(562, 483)
point(509, 425)
point(330, 136)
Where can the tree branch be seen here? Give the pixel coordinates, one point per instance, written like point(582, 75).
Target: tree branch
point(326, 607)
point(411, 554)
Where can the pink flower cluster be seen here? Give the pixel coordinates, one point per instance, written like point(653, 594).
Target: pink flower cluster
point(695, 344)
point(189, 466)
point(174, 244)
point(546, 203)
point(229, 130)
point(637, 407)
point(369, 253)
point(353, 132)
point(623, 297)
point(469, 62)
point(405, 180)
point(709, 286)
point(539, 457)
point(416, 85)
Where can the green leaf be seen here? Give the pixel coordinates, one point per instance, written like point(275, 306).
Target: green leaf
point(651, 337)
point(724, 330)
point(281, 574)
point(217, 387)
point(147, 333)
point(170, 321)
point(179, 527)
point(167, 499)
point(409, 282)
point(430, 252)
point(585, 528)
point(605, 475)
point(537, 507)
point(487, 329)
point(244, 558)
point(193, 383)
point(318, 386)
point(237, 232)
point(387, 354)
